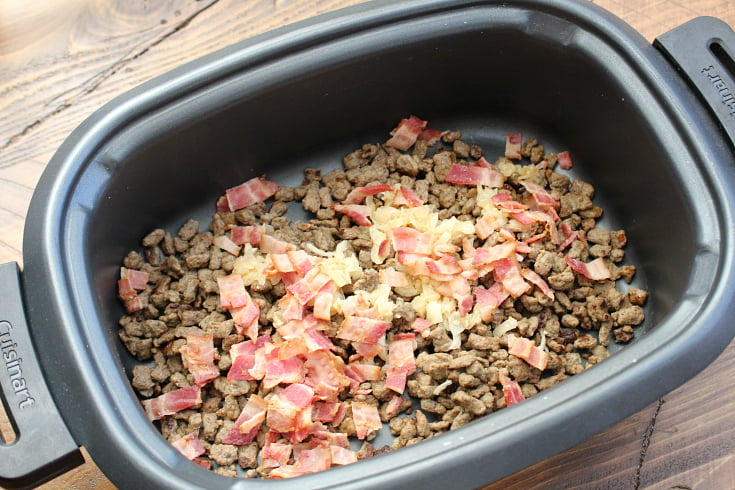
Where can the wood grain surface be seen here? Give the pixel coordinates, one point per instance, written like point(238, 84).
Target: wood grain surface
point(62, 59)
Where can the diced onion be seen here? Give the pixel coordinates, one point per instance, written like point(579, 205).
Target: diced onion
point(441, 387)
point(505, 327)
point(542, 344)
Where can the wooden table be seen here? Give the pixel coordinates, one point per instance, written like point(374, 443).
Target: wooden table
point(62, 59)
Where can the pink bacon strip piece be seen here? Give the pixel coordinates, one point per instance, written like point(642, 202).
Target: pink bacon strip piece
point(595, 269)
point(474, 175)
point(189, 445)
point(366, 418)
point(359, 213)
point(358, 194)
point(406, 133)
point(172, 402)
point(513, 146)
point(248, 193)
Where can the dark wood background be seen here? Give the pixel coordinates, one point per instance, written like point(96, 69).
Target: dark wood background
point(62, 59)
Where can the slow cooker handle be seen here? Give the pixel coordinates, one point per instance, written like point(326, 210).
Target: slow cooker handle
point(704, 49)
point(43, 447)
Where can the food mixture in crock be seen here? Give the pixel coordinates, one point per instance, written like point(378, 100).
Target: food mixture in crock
point(429, 288)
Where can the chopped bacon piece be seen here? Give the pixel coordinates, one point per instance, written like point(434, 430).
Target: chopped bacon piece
point(540, 195)
point(414, 263)
point(244, 359)
point(483, 163)
point(323, 305)
point(232, 293)
point(285, 471)
point(366, 418)
point(302, 291)
point(394, 405)
point(355, 305)
point(406, 197)
point(316, 340)
point(313, 460)
point(513, 146)
point(459, 289)
point(571, 236)
point(298, 395)
point(565, 160)
point(291, 307)
point(485, 226)
point(248, 422)
point(225, 243)
point(204, 462)
point(360, 329)
point(359, 213)
point(129, 296)
point(511, 391)
point(446, 265)
point(363, 372)
point(411, 240)
point(393, 278)
point(488, 300)
point(501, 197)
point(401, 361)
point(523, 248)
point(303, 426)
point(308, 461)
point(270, 245)
point(468, 247)
point(290, 409)
point(406, 133)
point(508, 272)
point(420, 324)
point(595, 269)
point(222, 204)
point(431, 136)
point(277, 371)
point(198, 357)
point(354, 377)
point(464, 304)
point(358, 194)
point(302, 262)
point(172, 402)
point(292, 348)
point(550, 218)
point(523, 217)
point(531, 276)
point(342, 456)
point(328, 412)
point(189, 445)
point(384, 249)
point(508, 205)
point(275, 454)
point(254, 190)
point(527, 350)
point(368, 350)
point(282, 263)
point(246, 318)
point(313, 283)
point(489, 255)
point(474, 175)
point(138, 279)
point(240, 235)
point(326, 374)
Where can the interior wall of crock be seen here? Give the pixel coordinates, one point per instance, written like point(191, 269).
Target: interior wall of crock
point(173, 164)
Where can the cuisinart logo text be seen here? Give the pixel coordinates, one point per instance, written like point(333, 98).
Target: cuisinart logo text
point(725, 94)
point(13, 365)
